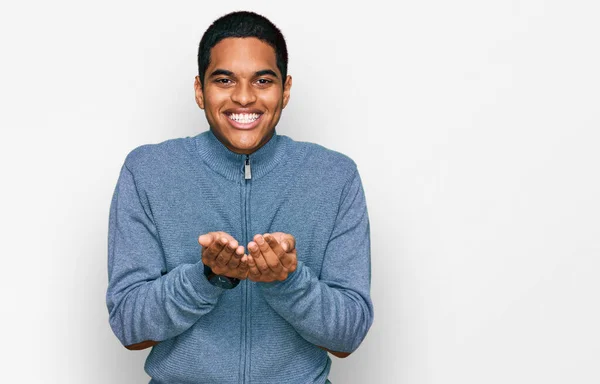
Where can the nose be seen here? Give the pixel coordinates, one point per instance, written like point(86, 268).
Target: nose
point(243, 94)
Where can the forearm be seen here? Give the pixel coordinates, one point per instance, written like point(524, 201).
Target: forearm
point(334, 318)
point(144, 302)
point(334, 309)
point(162, 308)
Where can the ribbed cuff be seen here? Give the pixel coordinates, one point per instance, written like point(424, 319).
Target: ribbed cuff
point(205, 290)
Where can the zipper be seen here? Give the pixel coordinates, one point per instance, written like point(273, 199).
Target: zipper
point(246, 293)
point(247, 173)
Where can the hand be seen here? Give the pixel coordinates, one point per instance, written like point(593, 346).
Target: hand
point(221, 252)
point(273, 259)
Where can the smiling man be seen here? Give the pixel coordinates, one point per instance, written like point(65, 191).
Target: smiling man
point(244, 93)
point(239, 255)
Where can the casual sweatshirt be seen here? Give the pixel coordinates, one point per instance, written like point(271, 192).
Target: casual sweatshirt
point(169, 194)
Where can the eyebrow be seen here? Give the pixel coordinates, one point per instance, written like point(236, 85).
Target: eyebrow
point(218, 72)
point(225, 72)
point(266, 72)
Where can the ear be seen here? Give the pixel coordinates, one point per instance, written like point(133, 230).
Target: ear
point(199, 93)
point(286, 90)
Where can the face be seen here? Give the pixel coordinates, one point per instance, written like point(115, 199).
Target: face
point(243, 93)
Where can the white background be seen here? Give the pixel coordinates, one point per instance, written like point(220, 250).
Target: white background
point(474, 125)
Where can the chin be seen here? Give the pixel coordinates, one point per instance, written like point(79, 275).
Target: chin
point(243, 140)
point(244, 145)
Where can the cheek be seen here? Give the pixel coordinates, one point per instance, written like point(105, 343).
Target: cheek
point(214, 100)
point(273, 100)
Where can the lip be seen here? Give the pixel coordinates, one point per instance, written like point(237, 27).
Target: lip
point(244, 126)
point(242, 110)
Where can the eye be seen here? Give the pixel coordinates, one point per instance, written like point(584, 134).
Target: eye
point(264, 81)
point(223, 81)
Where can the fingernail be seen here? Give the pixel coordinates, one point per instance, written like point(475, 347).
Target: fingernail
point(284, 246)
point(260, 240)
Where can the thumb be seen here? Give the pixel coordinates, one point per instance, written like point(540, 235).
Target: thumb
point(205, 240)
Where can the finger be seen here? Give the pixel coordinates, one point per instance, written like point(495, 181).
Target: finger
point(288, 242)
point(206, 239)
point(271, 250)
point(289, 261)
point(258, 257)
point(278, 250)
point(275, 245)
point(253, 271)
point(236, 258)
point(243, 267)
point(224, 256)
point(210, 252)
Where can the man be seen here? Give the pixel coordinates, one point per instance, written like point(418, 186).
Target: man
point(268, 315)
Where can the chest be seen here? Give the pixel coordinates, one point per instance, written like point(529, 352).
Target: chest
point(194, 204)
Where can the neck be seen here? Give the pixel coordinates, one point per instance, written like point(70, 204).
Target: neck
point(230, 164)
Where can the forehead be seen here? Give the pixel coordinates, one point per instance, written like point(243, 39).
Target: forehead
point(239, 55)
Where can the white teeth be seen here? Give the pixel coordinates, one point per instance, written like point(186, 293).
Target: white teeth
point(244, 118)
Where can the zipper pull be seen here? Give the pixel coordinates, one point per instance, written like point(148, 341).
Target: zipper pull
point(247, 173)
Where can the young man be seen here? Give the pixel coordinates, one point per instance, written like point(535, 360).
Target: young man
point(218, 314)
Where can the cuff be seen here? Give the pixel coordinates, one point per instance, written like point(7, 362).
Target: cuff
point(204, 289)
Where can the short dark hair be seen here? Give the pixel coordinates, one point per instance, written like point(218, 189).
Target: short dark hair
point(242, 24)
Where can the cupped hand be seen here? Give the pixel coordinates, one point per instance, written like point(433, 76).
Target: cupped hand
point(272, 257)
point(221, 252)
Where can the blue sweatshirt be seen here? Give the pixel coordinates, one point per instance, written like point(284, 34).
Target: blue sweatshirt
point(168, 194)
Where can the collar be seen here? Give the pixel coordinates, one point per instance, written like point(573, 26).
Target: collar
point(231, 165)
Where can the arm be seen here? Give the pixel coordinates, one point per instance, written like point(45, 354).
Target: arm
point(145, 303)
point(142, 345)
point(333, 310)
point(150, 343)
point(341, 355)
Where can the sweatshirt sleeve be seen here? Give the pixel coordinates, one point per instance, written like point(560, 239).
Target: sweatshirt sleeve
point(333, 310)
point(145, 302)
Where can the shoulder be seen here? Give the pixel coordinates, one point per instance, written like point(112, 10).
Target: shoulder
point(325, 161)
point(158, 155)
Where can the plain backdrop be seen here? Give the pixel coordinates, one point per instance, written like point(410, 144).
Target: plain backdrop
point(474, 125)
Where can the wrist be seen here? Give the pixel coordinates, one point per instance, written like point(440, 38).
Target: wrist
point(299, 276)
point(221, 281)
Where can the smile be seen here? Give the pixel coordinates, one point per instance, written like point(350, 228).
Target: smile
point(244, 120)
